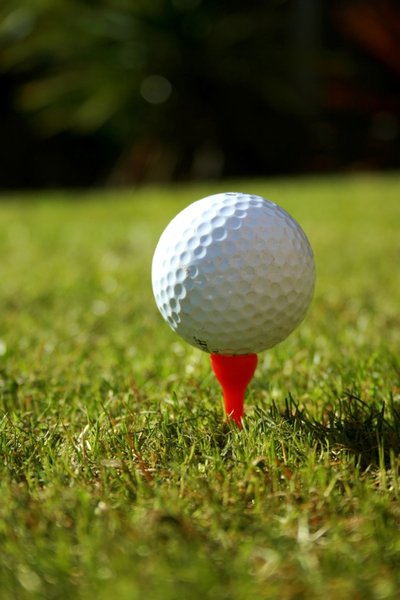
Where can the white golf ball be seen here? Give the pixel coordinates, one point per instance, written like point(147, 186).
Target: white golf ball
point(233, 274)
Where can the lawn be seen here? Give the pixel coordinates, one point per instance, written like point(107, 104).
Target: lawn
point(119, 477)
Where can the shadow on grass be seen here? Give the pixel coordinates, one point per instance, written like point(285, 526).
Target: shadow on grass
point(370, 433)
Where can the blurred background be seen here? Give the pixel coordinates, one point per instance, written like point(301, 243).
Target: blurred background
point(119, 92)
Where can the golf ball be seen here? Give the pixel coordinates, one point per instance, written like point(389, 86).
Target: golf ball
point(233, 273)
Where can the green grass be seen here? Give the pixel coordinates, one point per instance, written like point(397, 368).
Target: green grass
point(119, 477)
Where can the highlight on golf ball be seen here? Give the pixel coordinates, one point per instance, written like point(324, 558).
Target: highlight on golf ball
point(233, 274)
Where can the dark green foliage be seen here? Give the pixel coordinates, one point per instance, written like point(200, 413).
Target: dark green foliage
point(170, 89)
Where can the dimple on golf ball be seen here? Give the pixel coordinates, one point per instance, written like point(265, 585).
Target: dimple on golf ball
point(233, 273)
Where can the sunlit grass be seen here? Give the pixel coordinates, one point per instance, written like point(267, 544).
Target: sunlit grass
point(119, 477)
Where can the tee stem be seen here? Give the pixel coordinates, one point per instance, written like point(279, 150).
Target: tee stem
point(234, 373)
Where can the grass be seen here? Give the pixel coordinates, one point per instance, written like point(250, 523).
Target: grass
point(119, 477)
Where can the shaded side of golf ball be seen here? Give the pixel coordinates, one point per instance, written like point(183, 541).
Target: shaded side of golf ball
point(233, 274)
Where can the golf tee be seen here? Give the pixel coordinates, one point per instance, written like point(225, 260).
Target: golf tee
point(234, 373)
